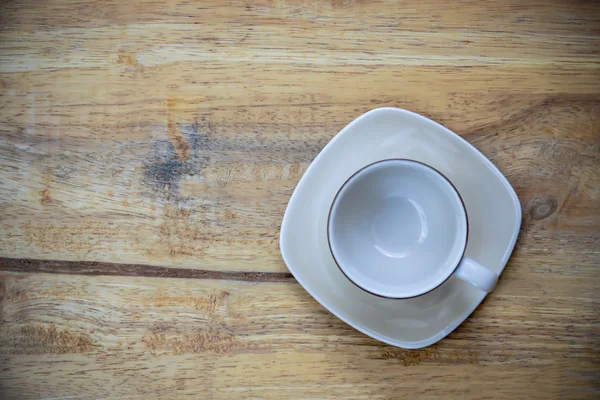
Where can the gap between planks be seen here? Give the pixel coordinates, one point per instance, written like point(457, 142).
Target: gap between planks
point(153, 271)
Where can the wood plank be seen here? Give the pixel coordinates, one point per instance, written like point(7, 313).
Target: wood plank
point(115, 196)
point(108, 336)
point(148, 150)
point(174, 133)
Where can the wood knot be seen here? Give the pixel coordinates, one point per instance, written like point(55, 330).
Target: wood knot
point(542, 207)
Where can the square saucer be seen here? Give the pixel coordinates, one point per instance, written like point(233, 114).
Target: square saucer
point(493, 209)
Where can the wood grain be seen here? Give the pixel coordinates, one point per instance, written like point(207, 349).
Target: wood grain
point(178, 139)
point(146, 141)
point(126, 336)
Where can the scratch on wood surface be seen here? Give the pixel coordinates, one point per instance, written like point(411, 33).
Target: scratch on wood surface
point(210, 303)
point(182, 147)
point(214, 339)
point(415, 357)
point(75, 236)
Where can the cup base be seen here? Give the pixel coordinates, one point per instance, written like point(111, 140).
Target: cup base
point(399, 226)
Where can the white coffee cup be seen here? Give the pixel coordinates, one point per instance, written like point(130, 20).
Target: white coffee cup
point(398, 228)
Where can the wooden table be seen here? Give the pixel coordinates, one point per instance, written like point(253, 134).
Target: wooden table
point(148, 150)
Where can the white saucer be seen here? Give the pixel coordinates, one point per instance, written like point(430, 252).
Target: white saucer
point(493, 209)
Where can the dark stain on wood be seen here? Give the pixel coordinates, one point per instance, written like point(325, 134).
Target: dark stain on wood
point(112, 269)
point(164, 170)
point(192, 146)
point(170, 160)
point(162, 174)
point(198, 133)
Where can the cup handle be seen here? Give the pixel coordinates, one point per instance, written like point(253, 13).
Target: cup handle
point(476, 274)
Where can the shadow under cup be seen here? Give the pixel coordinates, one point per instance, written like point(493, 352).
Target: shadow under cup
point(397, 228)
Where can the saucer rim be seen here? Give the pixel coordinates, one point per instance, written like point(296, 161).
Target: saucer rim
point(367, 331)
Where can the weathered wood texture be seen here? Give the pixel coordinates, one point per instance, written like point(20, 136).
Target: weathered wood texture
point(154, 145)
point(69, 335)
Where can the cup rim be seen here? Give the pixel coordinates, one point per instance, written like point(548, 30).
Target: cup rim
point(329, 222)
